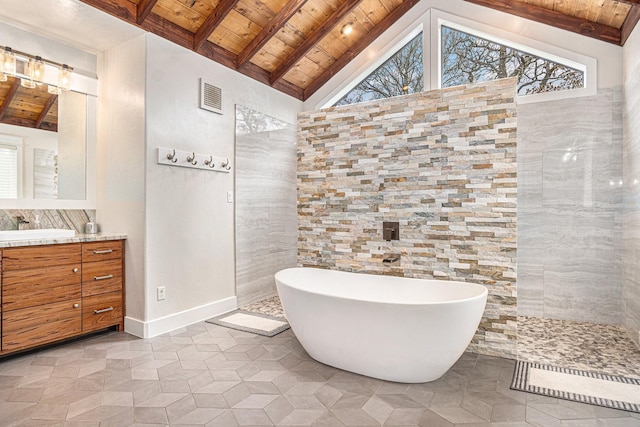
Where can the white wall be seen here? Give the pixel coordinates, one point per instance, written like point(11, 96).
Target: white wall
point(608, 56)
point(120, 198)
point(189, 226)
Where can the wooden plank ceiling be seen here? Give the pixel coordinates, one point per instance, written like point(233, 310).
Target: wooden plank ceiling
point(607, 20)
point(33, 108)
point(296, 46)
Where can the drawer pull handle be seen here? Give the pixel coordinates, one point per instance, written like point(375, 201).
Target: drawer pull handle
point(105, 251)
point(104, 310)
point(76, 305)
point(108, 276)
point(75, 270)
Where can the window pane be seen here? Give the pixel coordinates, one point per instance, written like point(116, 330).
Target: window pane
point(8, 172)
point(467, 58)
point(399, 75)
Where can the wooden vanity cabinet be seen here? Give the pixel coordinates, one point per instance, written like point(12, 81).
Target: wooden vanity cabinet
point(53, 292)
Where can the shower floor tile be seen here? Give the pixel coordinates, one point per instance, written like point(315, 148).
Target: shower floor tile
point(270, 306)
point(579, 345)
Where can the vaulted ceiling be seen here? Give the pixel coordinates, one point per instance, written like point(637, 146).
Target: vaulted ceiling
point(296, 46)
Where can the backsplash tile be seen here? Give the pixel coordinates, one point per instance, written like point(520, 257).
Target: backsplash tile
point(442, 164)
point(72, 219)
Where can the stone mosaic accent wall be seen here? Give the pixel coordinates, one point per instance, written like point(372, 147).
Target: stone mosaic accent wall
point(442, 164)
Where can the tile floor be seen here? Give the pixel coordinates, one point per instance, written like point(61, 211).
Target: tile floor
point(208, 375)
point(587, 346)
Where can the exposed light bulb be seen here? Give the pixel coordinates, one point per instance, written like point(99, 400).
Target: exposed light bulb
point(35, 69)
point(347, 29)
point(64, 77)
point(8, 61)
point(54, 90)
point(28, 83)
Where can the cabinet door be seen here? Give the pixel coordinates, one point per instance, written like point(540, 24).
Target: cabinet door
point(102, 311)
point(38, 286)
point(43, 324)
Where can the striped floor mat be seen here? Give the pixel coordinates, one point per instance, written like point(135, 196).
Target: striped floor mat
point(580, 386)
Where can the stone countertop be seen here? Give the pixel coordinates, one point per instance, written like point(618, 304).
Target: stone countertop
point(78, 238)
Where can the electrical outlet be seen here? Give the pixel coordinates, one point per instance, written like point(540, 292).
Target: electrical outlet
point(229, 196)
point(161, 293)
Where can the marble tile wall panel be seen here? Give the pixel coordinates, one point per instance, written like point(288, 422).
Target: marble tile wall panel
point(569, 204)
point(265, 211)
point(442, 164)
point(73, 219)
point(631, 216)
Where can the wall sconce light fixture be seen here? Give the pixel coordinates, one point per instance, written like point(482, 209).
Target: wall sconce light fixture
point(33, 70)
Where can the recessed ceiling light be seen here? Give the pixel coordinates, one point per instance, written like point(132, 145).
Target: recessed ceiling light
point(347, 29)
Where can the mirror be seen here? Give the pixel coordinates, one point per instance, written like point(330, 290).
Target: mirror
point(43, 143)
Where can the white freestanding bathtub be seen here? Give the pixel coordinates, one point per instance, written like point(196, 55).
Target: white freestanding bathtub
point(391, 328)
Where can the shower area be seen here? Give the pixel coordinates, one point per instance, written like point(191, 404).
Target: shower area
point(564, 303)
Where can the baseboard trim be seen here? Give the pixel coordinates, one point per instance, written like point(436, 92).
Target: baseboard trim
point(179, 320)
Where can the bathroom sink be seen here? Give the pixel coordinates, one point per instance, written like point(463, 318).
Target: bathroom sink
point(45, 233)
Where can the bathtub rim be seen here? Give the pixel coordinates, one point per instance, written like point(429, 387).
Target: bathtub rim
point(363, 299)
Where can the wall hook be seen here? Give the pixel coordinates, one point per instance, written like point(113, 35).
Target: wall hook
point(226, 164)
point(192, 159)
point(172, 156)
point(209, 162)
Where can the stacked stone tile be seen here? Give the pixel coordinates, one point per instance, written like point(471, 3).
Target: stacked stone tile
point(442, 164)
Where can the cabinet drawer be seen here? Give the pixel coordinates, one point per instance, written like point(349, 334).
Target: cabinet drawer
point(101, 311)
point(40, 256)
point(28, 288)
point(40, 325)
point(100, 251)
point(101, 277)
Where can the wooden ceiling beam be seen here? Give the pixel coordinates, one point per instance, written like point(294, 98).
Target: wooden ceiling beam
point(361, 45)
point(312, 39)
point(45, 110)
point(554, 19)
point(269, 30)
point(144, 9)
point(9, 96)
point(217, 16)
point(18, 121)
point(629, 23)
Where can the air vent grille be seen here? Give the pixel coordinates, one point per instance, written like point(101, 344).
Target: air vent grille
point(210, 97)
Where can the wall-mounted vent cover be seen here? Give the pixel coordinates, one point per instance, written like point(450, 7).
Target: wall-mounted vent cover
point(210, 97)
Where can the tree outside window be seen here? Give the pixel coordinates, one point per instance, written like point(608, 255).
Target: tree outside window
point(399, 75)
point(467, 58)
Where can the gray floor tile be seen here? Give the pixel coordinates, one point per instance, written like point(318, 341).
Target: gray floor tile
point(207, 375)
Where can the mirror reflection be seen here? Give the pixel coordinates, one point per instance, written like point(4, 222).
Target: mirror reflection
point(42, 143)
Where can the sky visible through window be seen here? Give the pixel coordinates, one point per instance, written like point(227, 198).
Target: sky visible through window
point(467, 58)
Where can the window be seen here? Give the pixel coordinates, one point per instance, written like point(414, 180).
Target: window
point(8, 171)
point(467, 58)
point(401, 74)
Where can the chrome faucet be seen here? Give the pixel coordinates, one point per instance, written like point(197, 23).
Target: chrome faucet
point(20, 221)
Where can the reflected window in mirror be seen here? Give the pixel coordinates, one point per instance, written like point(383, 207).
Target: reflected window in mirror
point(52, 130)
point(10, 150)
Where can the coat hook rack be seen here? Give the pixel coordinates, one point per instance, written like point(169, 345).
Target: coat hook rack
point(193, 160)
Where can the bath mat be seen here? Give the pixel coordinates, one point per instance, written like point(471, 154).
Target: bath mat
point(610, 391)
point(257, 323)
